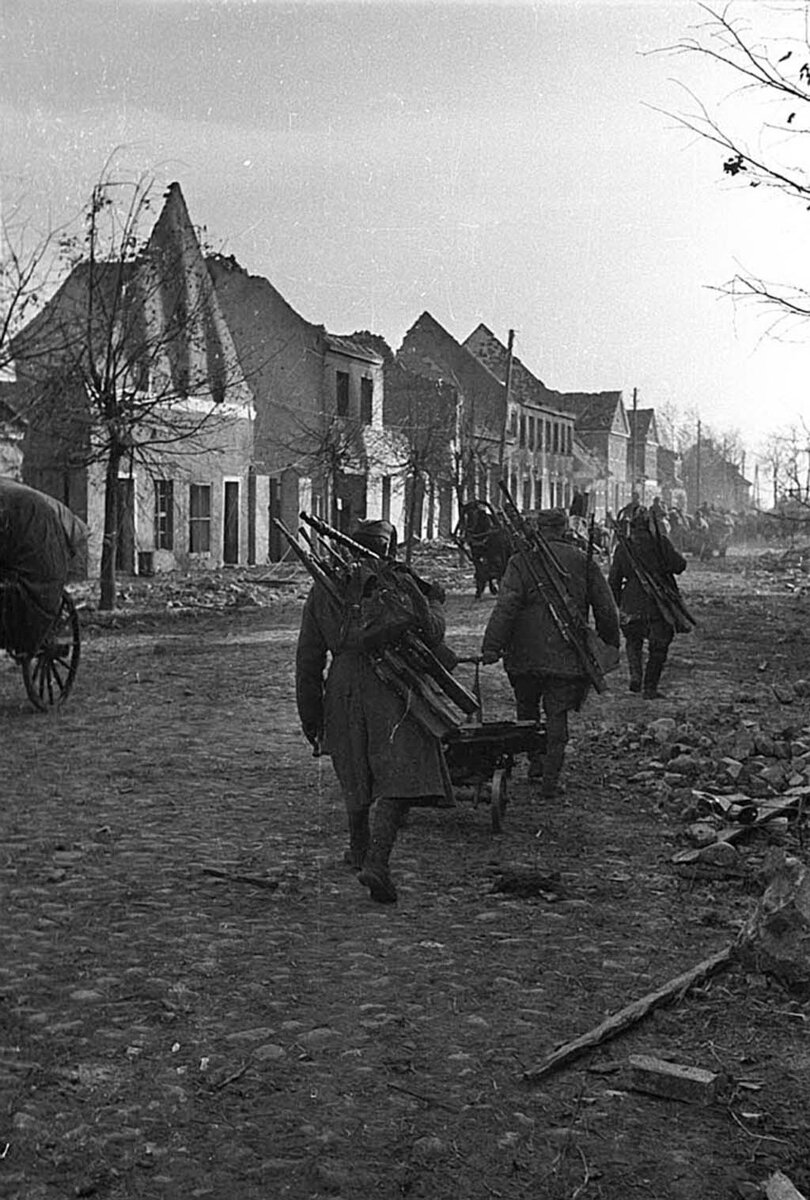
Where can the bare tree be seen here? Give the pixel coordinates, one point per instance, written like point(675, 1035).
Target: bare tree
point(28, 263)
point(421, 412)
point(128, 361)
point(773, 72)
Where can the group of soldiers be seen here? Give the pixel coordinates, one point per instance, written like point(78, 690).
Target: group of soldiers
point(384, 759)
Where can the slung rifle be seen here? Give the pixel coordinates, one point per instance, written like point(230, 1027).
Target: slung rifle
point(663, 590)
point(408, 667)
point(549, 578)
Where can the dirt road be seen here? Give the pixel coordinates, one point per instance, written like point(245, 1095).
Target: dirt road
point(197, 999)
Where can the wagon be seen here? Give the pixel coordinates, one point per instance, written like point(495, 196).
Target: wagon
point(39, 626)
point(481, 754)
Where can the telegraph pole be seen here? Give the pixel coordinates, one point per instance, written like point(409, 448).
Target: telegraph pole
point(510, 343)
point(635, 442)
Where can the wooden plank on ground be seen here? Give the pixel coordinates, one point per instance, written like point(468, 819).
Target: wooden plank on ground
point(631, 1015)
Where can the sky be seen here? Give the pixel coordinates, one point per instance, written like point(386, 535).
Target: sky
point(518, 165)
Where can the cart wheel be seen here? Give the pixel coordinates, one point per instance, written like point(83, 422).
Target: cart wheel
point(49, 674)
point(498, 805)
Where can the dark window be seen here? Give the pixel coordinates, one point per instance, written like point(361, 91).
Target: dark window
point(342, 393)
point(548, 436)
point(522, 429)
point(531, 433)
point(366, 399)
point(386, 497)
point(513, 423)
point(555, 434)
point(164, 514)
point(527, 494)
point(570, 440)
point(199, 524)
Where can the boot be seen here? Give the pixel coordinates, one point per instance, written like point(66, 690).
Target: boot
point(551, 773)
point(359, 837)
point(536, 761)
point(655, 665)
point(375, 875)
point(634, 651)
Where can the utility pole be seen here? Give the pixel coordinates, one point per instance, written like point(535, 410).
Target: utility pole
point(510, 343)
point(635, 443)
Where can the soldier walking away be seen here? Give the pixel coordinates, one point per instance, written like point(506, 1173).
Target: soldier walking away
point(541, 663)
point(642, 583)
point(379, 752)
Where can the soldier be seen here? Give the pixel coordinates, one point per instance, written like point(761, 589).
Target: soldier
point(642, 618)
point(542, 666)
point(379, 753)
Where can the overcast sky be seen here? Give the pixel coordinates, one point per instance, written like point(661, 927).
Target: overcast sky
point(486, 162)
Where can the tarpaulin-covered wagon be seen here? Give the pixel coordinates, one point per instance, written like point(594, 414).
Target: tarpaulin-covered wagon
point(39, 627)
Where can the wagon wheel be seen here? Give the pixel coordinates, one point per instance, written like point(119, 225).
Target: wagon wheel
point(49, 674)
point(499, 797)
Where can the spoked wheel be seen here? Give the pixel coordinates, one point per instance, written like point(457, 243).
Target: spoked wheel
point(499, 797)
point(49, 674)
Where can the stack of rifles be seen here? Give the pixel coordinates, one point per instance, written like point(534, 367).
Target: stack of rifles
point(421, 675)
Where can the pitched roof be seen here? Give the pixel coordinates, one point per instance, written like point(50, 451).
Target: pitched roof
point(354, 349)
point(523, 385)
point(428, 349)
point(594, 411)
point(642, 423)
point(180, 284)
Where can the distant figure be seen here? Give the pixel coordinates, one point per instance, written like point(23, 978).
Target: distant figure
point(579, 504)
point(487, 544)
point(626, 514)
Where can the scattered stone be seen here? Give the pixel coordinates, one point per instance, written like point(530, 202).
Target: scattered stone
point(776, 938)
point(733, 767)
point(683, 764)
point(784, 693)
point(663, 730)
point(779, 1187)
point(269, 1052)
point(429, 1147)
point(720, 854)
point(702, 834)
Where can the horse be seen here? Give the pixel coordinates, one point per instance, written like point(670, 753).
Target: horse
point(485, 542)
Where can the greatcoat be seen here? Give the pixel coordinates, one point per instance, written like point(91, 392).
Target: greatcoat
point(522, 627)
point(377, 749)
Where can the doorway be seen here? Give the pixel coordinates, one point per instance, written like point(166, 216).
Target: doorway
point(230, 524)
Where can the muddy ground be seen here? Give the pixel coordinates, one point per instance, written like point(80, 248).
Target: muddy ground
point(197, 999)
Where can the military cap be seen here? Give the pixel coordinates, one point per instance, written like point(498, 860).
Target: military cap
point(375, 535)
point(552, 518)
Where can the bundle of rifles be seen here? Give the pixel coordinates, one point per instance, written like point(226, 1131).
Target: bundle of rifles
point(400, 657)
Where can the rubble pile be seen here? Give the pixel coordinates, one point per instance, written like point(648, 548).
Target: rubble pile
point(783, 570)
point(262, 587)
point(746, 760)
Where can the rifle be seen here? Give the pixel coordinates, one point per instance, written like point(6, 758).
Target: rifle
point(420, 655)
point(663, 592)
point(548, 576)
point(409, 667)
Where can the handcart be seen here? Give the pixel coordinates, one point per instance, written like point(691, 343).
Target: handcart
point(39, 625)
point(481, 754)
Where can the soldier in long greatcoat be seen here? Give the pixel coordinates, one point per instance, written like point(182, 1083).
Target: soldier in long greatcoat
point(641, 618)
point(542, 666)
point(379, 752)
